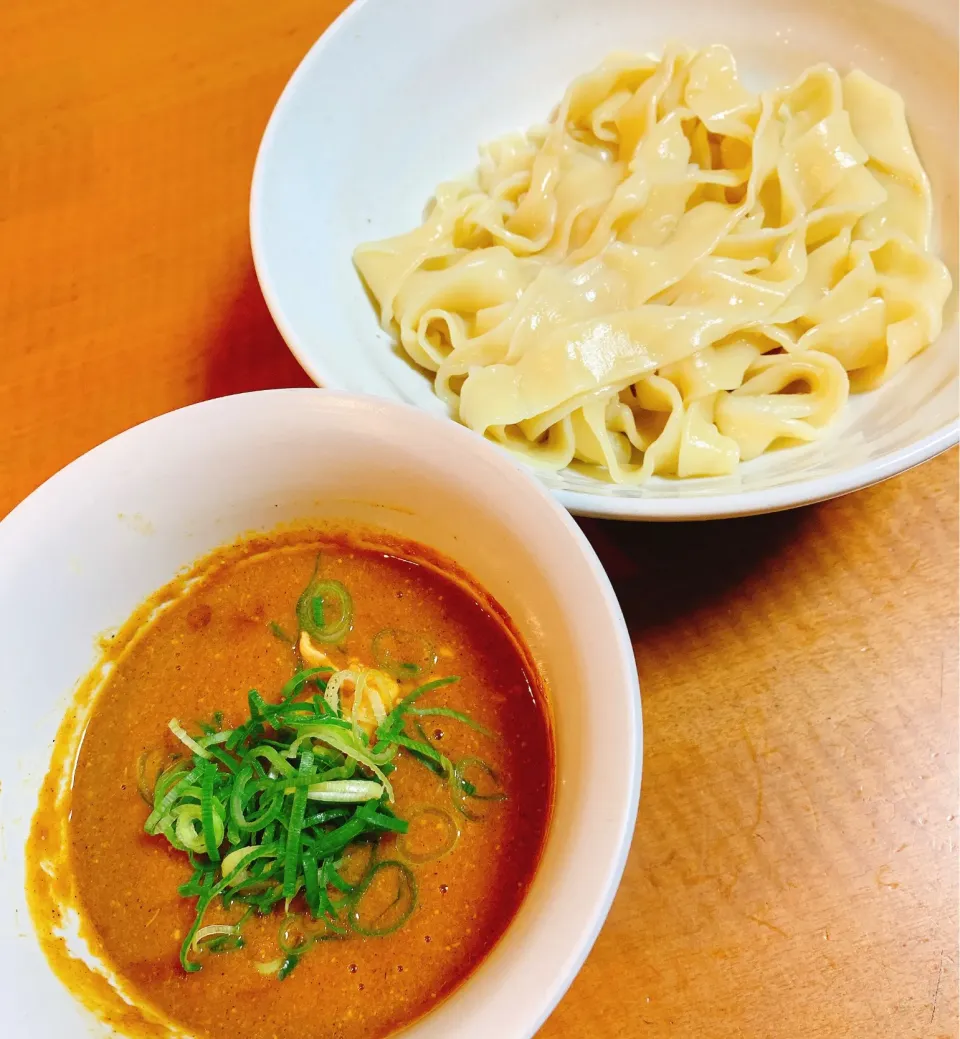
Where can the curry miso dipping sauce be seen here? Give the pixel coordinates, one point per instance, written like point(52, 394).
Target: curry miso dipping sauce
point(313, 785)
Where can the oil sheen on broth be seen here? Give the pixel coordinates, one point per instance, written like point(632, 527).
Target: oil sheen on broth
point(201, 655)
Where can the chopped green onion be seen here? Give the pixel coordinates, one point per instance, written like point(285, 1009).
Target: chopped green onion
point(394, 720)
point(149, 769)
point(240, 797)
point(406, 899)
point(270, 755)
point(332, 876)
point(286, 967)
point(448, 838)
point(382, 821)
point(292, 936)
point(448, 712)
point(336, 840)
point(300, 679)
point(463, 788)
point(214, 738)
point(211, 839)
point(311, 883)
point(269, 968)
point(312, 609)
point(281, 634)
point(459, 773)
point(164, 801)
point(257, 705)
point(403, 654)
point(297, 811)
point(207, 890)
point(178, 730)
point(236, 865)
point(240, 806)
point(345, 790)
point(214, 930)
point(225, 943)
point(347, 744)
point(326, 816)
point(425, 750)
point(224, 758)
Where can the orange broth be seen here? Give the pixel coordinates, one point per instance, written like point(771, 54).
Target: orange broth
point(201, 654)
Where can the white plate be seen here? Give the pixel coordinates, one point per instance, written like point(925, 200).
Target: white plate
point(398, 94)
point(85, 549)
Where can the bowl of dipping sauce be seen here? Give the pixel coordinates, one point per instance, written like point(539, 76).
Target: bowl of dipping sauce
point(327, 723)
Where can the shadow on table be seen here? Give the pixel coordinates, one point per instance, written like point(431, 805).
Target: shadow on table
point(246, 352)
point(662, 570)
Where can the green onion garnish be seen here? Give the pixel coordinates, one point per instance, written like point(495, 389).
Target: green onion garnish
point(448, 712)
point(464, 788)
point(319, 599)
point(403, 654)
point(210, 835)
point(279, 633)
point(447, 834)
point(274, 810)
point(397, 913)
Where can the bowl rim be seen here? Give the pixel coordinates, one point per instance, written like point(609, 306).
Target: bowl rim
point(788, 495)
point(19, 527)
point(775, 499)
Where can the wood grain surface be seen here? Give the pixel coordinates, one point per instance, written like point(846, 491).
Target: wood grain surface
point(794, 868)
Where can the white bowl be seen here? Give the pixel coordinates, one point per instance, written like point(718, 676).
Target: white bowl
point(81, 552)
point(395, 98)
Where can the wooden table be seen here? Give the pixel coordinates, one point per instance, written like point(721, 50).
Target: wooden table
point(794, 869)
